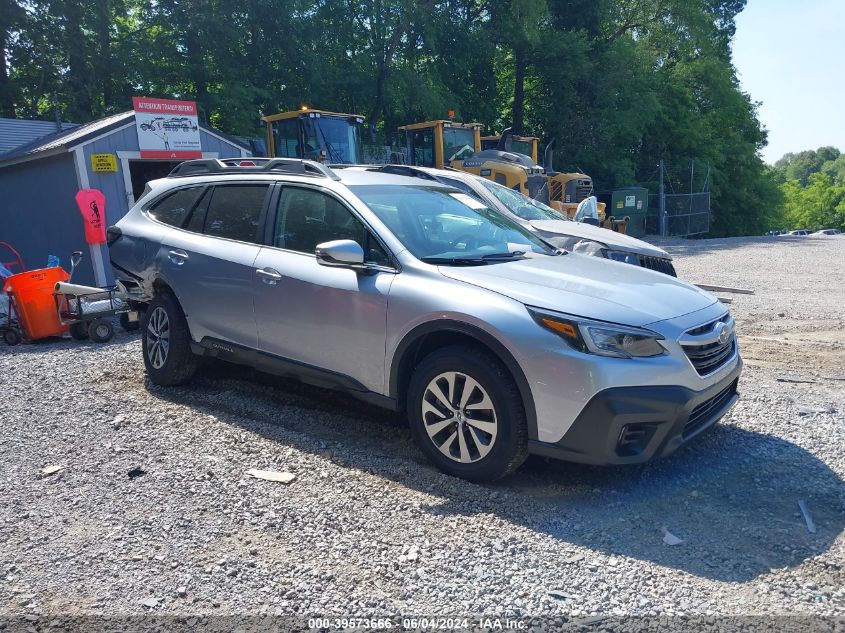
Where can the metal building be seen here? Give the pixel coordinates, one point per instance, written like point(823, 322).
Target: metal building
point(17, 132)
point(38, 182)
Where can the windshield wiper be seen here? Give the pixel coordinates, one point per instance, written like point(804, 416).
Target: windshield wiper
point(510, 255)
point(475, 261)
point(455, 261)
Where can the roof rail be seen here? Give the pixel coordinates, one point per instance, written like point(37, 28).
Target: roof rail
point(253, 165)
point(404, 170)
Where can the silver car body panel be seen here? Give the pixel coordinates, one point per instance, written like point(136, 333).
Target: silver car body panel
point(357, 324)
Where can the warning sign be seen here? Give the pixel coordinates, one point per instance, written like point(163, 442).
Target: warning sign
point(167, 128)
point(630, 201)
point(103, 162)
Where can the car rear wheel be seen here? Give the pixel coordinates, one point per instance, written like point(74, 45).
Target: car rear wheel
point(467, 415)
point(166, 342)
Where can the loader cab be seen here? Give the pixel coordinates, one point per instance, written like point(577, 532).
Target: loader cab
point(330, 137)
point(528, 145)
point(439, 143)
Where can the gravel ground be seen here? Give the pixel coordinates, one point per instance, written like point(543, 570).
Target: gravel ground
point(368, 528)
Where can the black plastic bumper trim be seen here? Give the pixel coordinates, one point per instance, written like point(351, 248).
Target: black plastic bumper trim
point(593, 437)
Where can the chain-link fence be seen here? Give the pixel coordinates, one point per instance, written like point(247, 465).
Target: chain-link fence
point(383, 155)
point(686, 214)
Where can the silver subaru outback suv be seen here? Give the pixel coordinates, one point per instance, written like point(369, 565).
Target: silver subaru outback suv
point(417, 297)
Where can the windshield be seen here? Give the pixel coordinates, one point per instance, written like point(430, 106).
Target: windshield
point(458, 143)
point(338, 138)
point(439, 223)
point(521, 205)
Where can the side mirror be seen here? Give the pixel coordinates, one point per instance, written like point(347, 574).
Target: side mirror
point(340, 253)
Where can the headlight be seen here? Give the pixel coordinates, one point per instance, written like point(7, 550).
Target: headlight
point(604, 339)
point(621, 256)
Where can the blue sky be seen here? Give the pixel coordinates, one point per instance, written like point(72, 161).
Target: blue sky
point(790, 55)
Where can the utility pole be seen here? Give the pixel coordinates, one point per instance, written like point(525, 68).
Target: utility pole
point(661, 204)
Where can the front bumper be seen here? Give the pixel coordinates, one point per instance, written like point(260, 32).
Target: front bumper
point(631, 425)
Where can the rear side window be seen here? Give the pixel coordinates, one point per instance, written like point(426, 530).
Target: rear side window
point(234, 211)
point(174, 208)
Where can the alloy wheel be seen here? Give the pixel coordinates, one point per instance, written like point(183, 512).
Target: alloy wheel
point(158, 337)
point(459, 417)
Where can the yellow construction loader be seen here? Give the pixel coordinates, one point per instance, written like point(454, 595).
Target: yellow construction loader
point(528, 145)
point(331, 137)
point(444, 143)
point(565, 190)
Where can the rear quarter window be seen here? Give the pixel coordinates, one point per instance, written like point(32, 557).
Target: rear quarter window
point(174, 208)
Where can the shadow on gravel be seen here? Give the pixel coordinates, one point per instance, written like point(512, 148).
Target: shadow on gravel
point(732, 496)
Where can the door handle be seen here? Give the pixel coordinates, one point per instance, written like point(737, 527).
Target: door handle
point(177, 257)
point(269, 275)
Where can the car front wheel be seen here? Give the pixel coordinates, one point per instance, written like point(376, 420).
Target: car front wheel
point(166, 342)
point(467, 415)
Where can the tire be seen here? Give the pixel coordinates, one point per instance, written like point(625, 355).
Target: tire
point(100, 330)
point(127, 325)
point(492, 420)
point(11, 337)
point(166, 342)
point(79, 331)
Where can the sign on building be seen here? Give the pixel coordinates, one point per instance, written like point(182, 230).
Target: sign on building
point(167, 129)
point(103, 162)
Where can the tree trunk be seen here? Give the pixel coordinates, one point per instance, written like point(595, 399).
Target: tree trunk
point(78, 89)
point(11, 18)
point(518, 91)
point(104, 63)
point(7, 100)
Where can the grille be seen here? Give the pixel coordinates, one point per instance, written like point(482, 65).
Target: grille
point(660, 264)
point(704, 412)
point(708, 356)
point(582, 192)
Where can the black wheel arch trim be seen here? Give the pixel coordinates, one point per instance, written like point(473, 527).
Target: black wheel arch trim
point(486, 339)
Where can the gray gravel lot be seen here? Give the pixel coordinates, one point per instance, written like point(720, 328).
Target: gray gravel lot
point(370, 528)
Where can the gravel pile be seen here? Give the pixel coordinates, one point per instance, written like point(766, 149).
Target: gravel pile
point(152, 510)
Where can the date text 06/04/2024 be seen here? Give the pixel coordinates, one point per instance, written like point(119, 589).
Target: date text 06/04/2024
point(421, 623)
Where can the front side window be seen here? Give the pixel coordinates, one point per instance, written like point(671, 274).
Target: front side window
point(173, 209)
point(234, 211)
point(521, 205)
point(306, 218)
point(285, 139)
point(438, 223)
point(422, 146)
point(458, 143)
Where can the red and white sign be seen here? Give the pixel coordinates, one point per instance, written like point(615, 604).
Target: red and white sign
point(167, 129)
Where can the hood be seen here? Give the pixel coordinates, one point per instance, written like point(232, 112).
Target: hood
point(612, 239)
point(589, 287)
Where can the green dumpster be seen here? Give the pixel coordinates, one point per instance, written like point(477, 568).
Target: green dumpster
point(631, 202)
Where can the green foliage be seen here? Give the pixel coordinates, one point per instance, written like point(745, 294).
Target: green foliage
point(813, 187)
point(619, 84)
